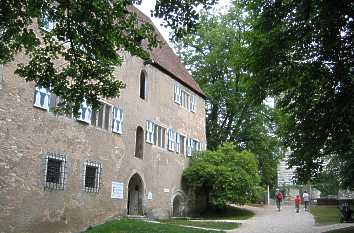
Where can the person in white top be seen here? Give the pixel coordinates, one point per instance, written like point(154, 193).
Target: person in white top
point(306, 198)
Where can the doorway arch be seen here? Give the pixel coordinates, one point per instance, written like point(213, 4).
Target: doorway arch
point(135, 195)
point(178, 206)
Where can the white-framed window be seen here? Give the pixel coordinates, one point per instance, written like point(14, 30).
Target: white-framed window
point(192, 146)
point(193, 104)
point(202, 146)
point(85, 113)
point(55, 171)
point(189, 146)
point(150, 132)
point(41, 98)
point(160, 136)
point(48, 25)
point(178, 143)
point(117, 124)
point(101, 118)
point(183, 144)
point(92, 176)
point(195, 145)
point(171, 140)
point(185, 100)
point(178, 94)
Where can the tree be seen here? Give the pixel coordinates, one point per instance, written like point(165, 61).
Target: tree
point(215, 56)
point(227, 175)
point(76, 58)
point(301, 53)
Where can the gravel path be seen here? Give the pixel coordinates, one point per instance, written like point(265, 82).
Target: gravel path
point(269, 220)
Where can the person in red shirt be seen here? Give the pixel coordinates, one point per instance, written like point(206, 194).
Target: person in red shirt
point(297, 201)
point(278, 198)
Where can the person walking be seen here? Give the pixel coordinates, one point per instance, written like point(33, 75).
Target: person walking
point(306, 198)
point(297, 201)
point(278, 198)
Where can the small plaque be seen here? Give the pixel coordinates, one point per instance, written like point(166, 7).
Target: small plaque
point(117, 190)
point(166, 190)
point(149, 195)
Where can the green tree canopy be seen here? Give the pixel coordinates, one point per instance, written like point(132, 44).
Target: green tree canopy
point(227, 175)
point(76, 57)
point(301, 53)
point(215, 55)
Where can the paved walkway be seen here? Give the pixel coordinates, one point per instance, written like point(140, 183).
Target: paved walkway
point(269, 220)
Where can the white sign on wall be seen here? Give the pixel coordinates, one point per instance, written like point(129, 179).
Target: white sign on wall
point(165, 190)
point(117, 190)
point(149, 195)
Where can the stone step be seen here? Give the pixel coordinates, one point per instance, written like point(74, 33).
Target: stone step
point(137, 217)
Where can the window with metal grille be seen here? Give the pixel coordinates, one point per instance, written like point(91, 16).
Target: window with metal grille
point(55, 166)
point(53, 171)
point(92, 176)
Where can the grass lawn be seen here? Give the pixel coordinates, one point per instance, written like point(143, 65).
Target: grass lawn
point(325, 214)
point(136, 226)
point(230, 212)
point(206, 224)
point(344, 230)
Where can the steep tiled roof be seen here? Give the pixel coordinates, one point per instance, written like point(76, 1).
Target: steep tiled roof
point(164, 58)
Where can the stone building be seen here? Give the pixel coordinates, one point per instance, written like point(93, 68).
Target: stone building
point(61, 174)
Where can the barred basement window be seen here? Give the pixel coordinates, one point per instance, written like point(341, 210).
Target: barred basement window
point(55, 167)
point(92, 176)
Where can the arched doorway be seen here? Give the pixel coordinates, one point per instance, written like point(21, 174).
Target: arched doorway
point(178, 206)
point(135, 195)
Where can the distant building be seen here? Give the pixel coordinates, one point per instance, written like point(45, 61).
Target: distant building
point(61, 174)
point(285, 174)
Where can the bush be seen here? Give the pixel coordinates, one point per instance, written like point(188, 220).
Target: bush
point(227, 175)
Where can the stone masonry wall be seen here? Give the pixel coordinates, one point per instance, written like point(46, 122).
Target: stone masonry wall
point(28, 133)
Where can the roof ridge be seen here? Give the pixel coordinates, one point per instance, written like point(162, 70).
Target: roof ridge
point(164, 58)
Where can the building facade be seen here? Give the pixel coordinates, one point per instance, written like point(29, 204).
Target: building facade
point(62, 174)
point(285, 174)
